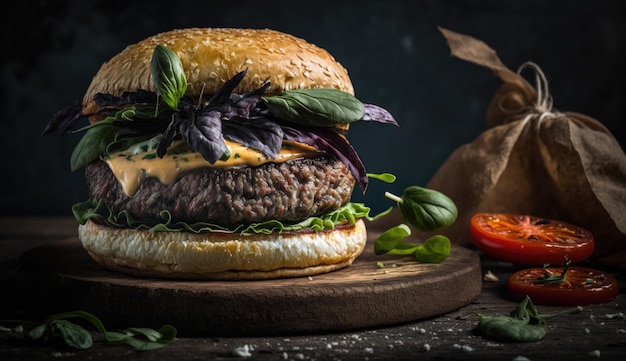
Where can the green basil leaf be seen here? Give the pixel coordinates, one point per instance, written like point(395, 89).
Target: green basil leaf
point(143, 339)
point(93, 143)
point(427, 209)
point(74, 335)
point(435, 249)
point(134, 145)
point(391, 238)
point(168, 75)
point(168, 333)
point(136, 111)
point(523, 324)
point(37, 332)
point(316, 107)
point(149, 333)
point(405, 249)
point(116, 337)
point(78, 314)
point(510, 329)
point(139, 339)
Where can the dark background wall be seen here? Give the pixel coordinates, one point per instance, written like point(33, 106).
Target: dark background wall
point(393, 50)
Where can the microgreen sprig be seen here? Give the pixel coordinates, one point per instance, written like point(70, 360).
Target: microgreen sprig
point(550, 278)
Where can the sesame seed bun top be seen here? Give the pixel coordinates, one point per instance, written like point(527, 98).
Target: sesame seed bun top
point(211, 56)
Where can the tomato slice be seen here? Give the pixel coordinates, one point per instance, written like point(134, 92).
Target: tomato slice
point(524, 239)
point(581, 287)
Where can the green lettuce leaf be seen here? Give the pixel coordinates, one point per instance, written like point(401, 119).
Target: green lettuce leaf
point(98, 210)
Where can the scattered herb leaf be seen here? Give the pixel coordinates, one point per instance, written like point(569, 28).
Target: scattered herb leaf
point(389, 240)
point(524, 324)
point(72, 334)
point(434, 250)
point(385, 177)
point(76, 336)
point(425, 209)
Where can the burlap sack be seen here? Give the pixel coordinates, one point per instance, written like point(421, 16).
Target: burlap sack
point(536, 160)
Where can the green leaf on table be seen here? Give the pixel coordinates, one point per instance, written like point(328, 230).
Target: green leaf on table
point(143, 339)
point(524, 324)
point(76, 336)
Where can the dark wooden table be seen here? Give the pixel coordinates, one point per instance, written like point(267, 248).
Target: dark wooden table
point(598, 331)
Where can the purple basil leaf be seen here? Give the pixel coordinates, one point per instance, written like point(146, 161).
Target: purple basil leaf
point(137, 97)
point(261, 134)
point(203, 132)
point(374, 113)
point(222, 95)
point(168, 137)
point(245, 103)
point(329, 141)
point(64, 119)
point(141, 126)
point(241, 105)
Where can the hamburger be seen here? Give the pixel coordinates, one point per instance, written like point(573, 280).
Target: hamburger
point(220, 153)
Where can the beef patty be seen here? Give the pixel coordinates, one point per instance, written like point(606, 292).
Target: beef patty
point(289, 191)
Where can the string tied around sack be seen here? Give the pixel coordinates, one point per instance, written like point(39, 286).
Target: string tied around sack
point(542, 108)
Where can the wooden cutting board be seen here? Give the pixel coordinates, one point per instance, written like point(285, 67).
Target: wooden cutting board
point(60, 277)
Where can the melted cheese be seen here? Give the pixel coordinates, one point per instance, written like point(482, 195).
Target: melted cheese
point(131, 169)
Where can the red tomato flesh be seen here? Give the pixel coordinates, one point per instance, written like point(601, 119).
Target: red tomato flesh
point(524, 239)
point(582, 286)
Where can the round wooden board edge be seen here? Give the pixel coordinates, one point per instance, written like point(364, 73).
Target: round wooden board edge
point(361, 296)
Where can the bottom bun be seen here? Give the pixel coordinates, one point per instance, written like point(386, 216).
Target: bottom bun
point(223, 256)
